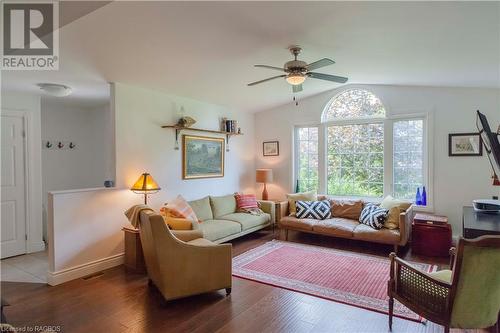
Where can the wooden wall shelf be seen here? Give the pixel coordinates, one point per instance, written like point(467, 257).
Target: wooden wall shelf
point(178, 129)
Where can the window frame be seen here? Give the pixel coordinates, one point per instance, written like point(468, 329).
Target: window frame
point(388, 121)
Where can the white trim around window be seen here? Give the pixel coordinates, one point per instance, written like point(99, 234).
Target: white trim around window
point(388, 121)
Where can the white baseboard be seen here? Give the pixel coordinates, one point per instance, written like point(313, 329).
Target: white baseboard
point(68, 274)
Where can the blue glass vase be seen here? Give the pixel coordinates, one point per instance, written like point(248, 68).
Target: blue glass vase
point(424, 197)
point(418, 198)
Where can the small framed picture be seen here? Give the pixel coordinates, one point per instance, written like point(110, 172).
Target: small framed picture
point(465, 144)
point(271, 148)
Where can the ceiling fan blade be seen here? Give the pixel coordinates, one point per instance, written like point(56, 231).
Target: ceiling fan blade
point(328, 77)
point(296, 88)
point(268, 79)
point(271, 67)
point(320, 63)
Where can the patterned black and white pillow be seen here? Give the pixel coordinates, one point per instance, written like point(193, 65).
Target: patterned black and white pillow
point(318, 210)
point(373, 216)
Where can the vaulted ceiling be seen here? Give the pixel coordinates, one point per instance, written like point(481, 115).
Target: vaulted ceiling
point(206, 50)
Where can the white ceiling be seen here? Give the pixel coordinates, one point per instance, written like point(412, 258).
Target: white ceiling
point(206, 50)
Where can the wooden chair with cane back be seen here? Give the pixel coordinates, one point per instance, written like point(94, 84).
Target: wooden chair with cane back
point(465, 296)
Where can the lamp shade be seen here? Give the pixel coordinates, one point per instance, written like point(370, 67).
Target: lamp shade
point(264, 175)
point(145, 183)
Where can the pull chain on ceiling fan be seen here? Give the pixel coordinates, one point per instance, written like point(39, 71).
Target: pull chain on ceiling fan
point(297, 71)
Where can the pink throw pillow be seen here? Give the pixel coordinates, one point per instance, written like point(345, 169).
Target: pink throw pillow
point(246, 201)
point(180, 206)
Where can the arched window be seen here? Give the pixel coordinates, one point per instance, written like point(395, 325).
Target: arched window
point(353, 104)
point(360, 150)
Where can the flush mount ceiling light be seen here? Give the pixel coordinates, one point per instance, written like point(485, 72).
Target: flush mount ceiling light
point(53, 89)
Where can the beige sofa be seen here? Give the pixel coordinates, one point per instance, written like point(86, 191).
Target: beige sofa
point(347, 228)
point(220, 222)
point(185, 264)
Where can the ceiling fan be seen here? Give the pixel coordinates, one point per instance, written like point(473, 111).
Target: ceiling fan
point(297, 71)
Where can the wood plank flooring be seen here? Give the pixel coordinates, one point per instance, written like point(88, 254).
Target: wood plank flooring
point(121, 302)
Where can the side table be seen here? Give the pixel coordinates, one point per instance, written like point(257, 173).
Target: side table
point(431, 235)
point(134, 258)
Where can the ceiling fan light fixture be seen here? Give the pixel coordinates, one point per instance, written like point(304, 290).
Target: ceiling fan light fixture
point(295, 78)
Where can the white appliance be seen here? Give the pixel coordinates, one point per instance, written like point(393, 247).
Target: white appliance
point(486, 205)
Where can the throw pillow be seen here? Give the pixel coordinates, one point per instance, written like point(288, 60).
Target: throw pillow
point(180, 207)
point(304, 196)
point(247, 203)
point(373, 216)
point(176, 223)
point(347, 209)
point(318, 210)
point(395, 207)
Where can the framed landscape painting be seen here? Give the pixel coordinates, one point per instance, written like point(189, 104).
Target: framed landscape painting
point(465, 144)
point(202, 157)
point(271, 148)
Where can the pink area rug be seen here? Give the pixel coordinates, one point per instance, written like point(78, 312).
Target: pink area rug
point(351, 278)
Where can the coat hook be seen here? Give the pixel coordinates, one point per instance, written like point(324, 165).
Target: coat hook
point(71, 145)
point(60, 145)
point(48, 144)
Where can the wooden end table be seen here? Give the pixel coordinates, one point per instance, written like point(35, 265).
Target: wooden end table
point(134, 258)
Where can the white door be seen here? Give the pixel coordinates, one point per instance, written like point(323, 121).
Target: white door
point(13, 200)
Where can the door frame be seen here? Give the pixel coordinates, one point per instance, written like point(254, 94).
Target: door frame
point(32, 245)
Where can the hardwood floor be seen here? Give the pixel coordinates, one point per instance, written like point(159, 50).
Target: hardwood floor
point(119, 302)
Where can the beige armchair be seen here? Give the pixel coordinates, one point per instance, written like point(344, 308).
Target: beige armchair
point(185, 264)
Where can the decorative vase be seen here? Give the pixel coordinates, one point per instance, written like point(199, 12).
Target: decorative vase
point(418, 198)
point(424, 197)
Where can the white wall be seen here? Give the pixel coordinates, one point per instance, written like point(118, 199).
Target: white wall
point(142, 145)
point(85, 166)
point(85, 226)
point(29, 105)
point(457, 180)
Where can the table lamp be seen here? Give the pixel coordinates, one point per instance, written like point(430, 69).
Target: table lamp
point(145, 185)
point(264, 176)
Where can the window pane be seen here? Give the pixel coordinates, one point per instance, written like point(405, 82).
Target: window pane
point(354, 103)
point(408, 173)
point(307, 168)
point(355, 157)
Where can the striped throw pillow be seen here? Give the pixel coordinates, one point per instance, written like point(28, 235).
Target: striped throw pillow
point(181, 208)
point(246, 201)
point(373, 216)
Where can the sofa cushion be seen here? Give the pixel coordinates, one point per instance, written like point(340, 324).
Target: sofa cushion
point(223, 205)
point(373, 216)
point(202, 208)
point(201, 242)
point(246, 220)
point(336, 226)
point(299, 224)
point(305, 196)
point(346, 209)
point(442, 275)
point(395, 207)
point(217, 229)
point(385, 236)
point(318, 210)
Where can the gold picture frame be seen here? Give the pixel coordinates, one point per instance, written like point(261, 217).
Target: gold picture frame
point(202, 157)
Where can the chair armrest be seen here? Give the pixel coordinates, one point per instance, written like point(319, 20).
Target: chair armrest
point(453, 254)
point(283, 208)
point(405, 222)
point(269, 208)
point(187, 235)
point(418, 290)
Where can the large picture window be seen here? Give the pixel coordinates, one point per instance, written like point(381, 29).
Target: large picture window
point(358, 150)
